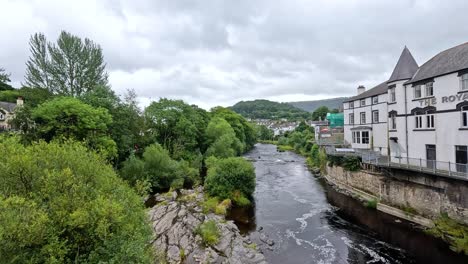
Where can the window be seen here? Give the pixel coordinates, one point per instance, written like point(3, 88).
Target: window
point(365, 137)
point(351, 104)
point(375, 100)
point(351, 119)
point(2, 117)
point(363, 117)
point(464, 82)
point(417, 91)
point(363, 102)
point(430, 121)
point(430, 89)
point(461, 158)
point(464, 117)
point(375, 116)
point(357, 137)
point(393, 122)
point(418, 120)
point(392, 95)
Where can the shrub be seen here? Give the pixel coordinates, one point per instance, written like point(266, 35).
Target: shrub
point(209, 205)
point(455, 232)
point(352, 163)
point(314, 155)
point(225, 176)
point(61, 203)
point(222, 207)
point(209, 232)
point(372, 204)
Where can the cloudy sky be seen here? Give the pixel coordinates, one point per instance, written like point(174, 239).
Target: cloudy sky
point(215, 52)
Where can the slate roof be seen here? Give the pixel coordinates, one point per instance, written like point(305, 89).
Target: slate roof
point(405, 68)
point(448, 61)
point(10, 107)
point(379, 89)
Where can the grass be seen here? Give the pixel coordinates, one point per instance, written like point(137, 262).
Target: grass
point(240, 200)
point(209, 205)
point(273, 142)
point(283, 148)
point(372, 204)
point(252, 246)
point(451, 231)
point(209, 233)
point(182, 255)
point(222, 207)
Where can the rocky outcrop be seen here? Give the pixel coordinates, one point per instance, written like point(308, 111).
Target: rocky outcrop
point(174, 220)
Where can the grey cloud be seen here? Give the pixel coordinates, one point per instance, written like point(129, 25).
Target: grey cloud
point(217, 52)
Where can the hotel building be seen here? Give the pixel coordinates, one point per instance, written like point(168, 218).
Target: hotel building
point(419, 115)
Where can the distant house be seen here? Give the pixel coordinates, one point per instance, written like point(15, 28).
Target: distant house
point(7, 112)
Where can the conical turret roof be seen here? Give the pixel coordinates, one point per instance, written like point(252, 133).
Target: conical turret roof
point(405, 68)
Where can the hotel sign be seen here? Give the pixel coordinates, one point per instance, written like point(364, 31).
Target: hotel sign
point(445, 99)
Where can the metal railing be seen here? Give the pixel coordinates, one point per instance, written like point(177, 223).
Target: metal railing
point(449, 169)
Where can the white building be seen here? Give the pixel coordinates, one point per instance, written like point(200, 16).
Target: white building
point(422, 112)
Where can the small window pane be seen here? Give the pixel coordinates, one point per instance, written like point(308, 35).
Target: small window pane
point(417, 91)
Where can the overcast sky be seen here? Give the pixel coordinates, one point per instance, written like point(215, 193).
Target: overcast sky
point(214, 52)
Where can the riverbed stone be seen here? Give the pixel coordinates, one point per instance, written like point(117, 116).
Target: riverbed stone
point(174, 221)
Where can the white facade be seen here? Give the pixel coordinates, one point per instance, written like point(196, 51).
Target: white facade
point(423, 113)
point(369, 128)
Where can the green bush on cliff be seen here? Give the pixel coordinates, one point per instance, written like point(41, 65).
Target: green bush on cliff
point(230, 178)
point(61, 203)
point(209, 232)
point(352, 163)
point(452, 231)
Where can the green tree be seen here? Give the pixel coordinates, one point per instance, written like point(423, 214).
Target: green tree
point(226, 177)
point(264, 133)
point(158, 168)
point(61, 203)
point(177, 126)
point(71, 66)
point(4, 80)
point(67, 117)
point(221, 139)
point(31, 96)
point(320, 113)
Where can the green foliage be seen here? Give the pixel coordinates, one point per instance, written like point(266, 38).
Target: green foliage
point(222, 140)
point(314, 155)
point(372, 204)
point(451, 231)
point(264, 109)
point(222, 207)
point(264, 133)
point(225, 177)
point(245, 131)
point(352, 163)
point(61, 203)
point(4, 80)
point(177, 126)
point(335, 160)
point(159, 169)
point(67, 117)
point(71, 66)
point(209, 233)
point(209, 204)
point(320, 113)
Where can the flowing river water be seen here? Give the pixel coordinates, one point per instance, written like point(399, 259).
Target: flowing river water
point(310, 222)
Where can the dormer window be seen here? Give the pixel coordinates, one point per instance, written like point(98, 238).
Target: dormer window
point(464, 82)
point(363, 102)
point(417, 91)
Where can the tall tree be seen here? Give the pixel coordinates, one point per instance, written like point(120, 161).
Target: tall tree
point(320, 113)
point(4, 79)
point(70, 67)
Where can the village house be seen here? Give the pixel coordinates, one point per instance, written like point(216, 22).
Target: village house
point(418, 116)
point(7, 112)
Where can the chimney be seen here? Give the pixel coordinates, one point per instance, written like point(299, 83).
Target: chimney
point(19, 101)
point(361, 89)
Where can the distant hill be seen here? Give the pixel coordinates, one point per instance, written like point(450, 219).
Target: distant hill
point(264, 109)
point(310, 106)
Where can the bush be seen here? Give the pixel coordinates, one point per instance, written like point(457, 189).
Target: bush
point(372, 204)
point(226, 176)
point(209, 232)
point(352, 163)
point(61, 203)
point(209, 205)
point(159, 169)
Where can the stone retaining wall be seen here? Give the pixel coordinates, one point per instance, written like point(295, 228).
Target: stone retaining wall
point(428, 195)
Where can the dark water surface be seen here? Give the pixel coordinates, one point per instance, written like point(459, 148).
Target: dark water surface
point(312, 223)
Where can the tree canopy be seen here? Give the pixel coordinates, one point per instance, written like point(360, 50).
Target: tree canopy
point(320, 113)
point(71, 66)
point(61, 203)
point(4, 80)
point(264, 109)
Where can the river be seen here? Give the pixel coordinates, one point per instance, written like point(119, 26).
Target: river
point(312, 223)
